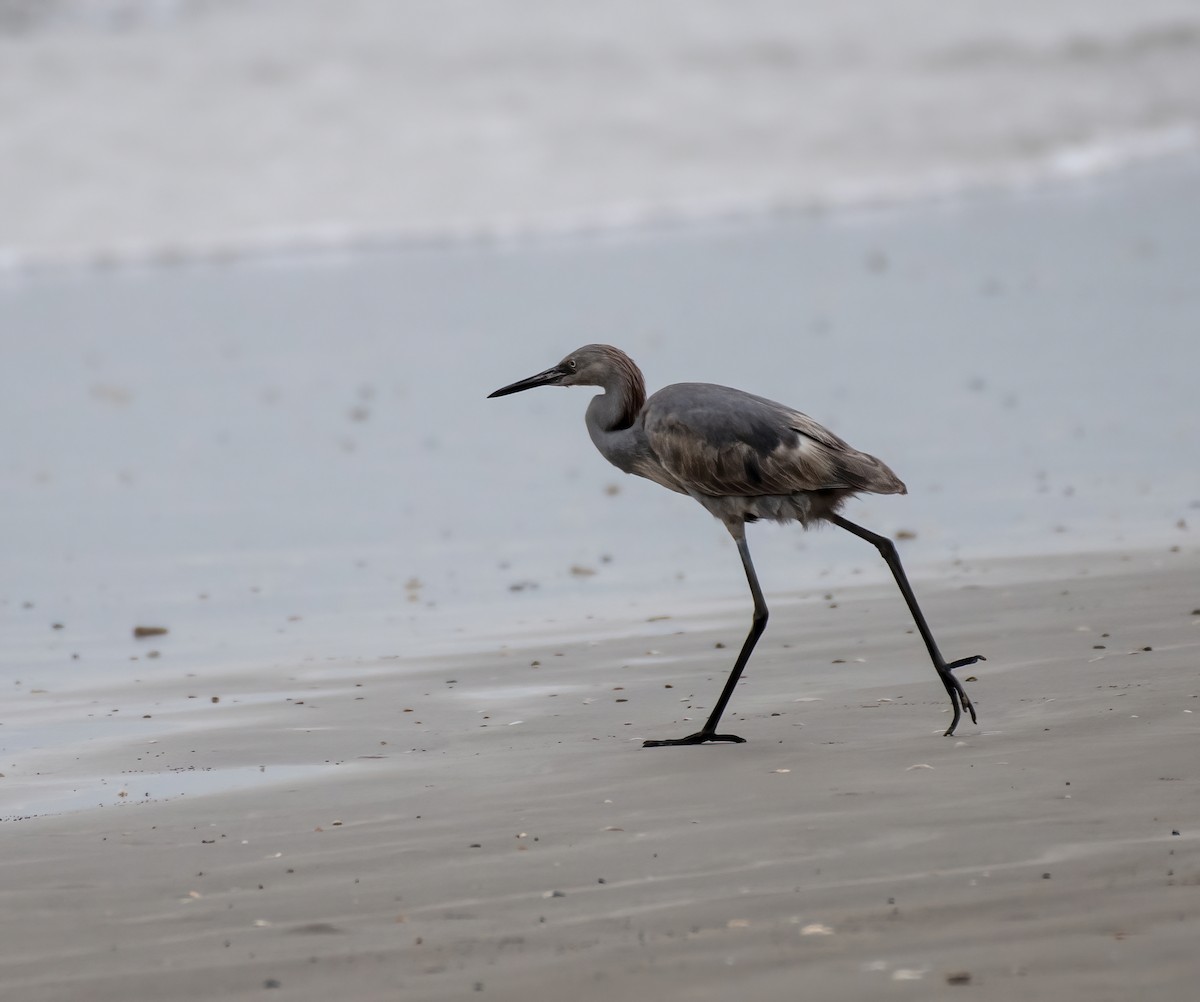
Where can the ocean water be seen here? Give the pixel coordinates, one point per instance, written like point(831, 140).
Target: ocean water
point(258, 282)
point(298, 461)
point(175, 130)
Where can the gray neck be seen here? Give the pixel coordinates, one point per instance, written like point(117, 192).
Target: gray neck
point(611, 410)
point(613, 416)
point(624, 395)
point(612, 424)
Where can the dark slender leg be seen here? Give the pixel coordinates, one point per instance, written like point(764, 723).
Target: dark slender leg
point(954, 688)
point(708, 732)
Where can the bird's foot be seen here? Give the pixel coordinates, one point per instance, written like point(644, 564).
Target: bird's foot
point(959, 700)
point(699, 738)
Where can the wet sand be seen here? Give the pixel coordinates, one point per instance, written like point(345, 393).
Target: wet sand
point(489, 823)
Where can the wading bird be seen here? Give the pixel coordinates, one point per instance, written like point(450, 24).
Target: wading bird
point(743, 458)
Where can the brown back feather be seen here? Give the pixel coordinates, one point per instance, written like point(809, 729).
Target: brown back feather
point(718, 442)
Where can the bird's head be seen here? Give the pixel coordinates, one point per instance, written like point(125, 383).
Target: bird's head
point(591, 365)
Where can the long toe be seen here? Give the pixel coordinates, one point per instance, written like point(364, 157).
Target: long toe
point(699, 738)
point(963, 662)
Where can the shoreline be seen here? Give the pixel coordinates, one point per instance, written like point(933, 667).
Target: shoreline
point(725, 620)
point(342, 244)
point(188, 703)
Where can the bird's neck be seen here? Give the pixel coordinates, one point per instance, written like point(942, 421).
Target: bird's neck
point(613, 416)
point(618, 407)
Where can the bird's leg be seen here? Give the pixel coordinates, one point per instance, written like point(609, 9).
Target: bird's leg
point(708, 732)
point(954, 688)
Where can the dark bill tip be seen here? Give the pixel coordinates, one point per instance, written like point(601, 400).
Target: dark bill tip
point(547, 378)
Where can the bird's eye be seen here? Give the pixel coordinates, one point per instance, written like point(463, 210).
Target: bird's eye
point(571, 363)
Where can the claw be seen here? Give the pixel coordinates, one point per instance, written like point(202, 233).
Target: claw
point(959, 700)
point(699, 738)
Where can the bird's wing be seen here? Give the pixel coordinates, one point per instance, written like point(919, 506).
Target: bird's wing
point(719, 441)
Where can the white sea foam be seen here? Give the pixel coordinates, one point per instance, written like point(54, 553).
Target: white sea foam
point(160, 131)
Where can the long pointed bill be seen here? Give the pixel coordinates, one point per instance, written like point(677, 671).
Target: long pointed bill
point(547, 378)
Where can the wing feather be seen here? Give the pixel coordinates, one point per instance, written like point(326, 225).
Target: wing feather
point(718, 441)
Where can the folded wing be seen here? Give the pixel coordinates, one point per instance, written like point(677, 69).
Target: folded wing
point(718, 441)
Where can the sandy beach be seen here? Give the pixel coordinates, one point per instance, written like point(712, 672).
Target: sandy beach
point(380, 734)
point(491, 823)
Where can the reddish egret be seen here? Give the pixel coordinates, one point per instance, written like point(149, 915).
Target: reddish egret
point(743, 458)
